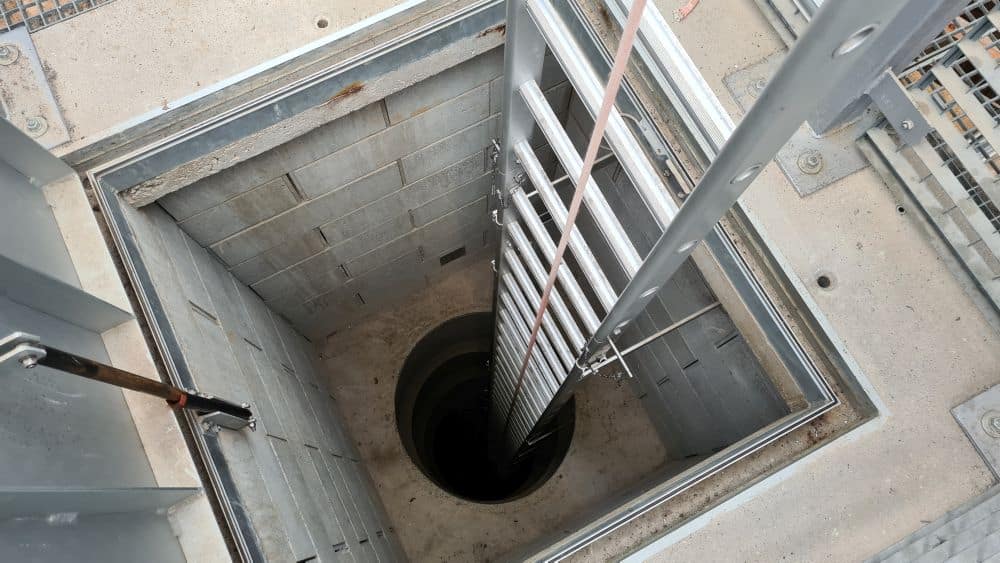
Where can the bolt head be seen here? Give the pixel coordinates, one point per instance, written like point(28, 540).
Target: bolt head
point(36, 126)
point(810, 162)
point(906, 124)
point(994, 423)
point(756, 87)
point(29, 362)
point(9, 53)
point(991, 423)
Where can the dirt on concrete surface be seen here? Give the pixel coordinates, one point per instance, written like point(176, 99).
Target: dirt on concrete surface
point(919, 344)
point(363, 365)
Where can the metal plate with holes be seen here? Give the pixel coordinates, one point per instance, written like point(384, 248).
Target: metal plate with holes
point(979, 418)
point(36, 14)
point(25, 97)
point(809, 162)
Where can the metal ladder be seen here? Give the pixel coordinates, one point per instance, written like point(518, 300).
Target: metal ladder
point(585, 315)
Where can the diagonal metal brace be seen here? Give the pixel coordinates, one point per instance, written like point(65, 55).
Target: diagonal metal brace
point(28, 351)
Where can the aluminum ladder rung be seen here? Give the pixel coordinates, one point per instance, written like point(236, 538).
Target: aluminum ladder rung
point(546, 380)
point(588, 264)
point(566, 320)
point(502, 386)
point(533, 301)
point(533, 374)
point(531, 400)
point(571, 162)
point(527, 391)
point(547, 362)
point(590, 89)
point(548, 248)
point(556, 367)
point(507, 360)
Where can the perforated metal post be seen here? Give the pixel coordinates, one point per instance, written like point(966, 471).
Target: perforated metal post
point(837, 47)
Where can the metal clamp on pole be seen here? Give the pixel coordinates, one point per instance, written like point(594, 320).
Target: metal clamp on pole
point(28, 351)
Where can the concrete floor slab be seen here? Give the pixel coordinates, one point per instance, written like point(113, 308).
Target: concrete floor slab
point(363, 364)
point(917, 337)
point(124, 59)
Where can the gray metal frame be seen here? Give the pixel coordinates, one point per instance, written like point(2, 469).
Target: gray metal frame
point(112, 178)
point(839, 47)
point(684, 87)
point(74, 475)
point(706, 121)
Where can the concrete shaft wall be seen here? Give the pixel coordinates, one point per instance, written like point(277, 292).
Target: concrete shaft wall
point(614, 445)
point(701, 384)
point(354, 214)
point(299, 476)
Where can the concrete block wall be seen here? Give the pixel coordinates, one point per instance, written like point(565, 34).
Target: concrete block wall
point(701, 385)
point(299, 475)
point(398, 190)
point(315, 225)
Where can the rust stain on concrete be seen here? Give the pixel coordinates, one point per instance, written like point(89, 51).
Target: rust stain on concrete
point(346, 92)
point(500, 28)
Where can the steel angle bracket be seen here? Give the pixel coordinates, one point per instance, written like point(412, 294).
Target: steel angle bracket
point(216, 420)
point(979, 418)
point(898, 109)
point(25, 97)
point(809, 161)
point(21, 347)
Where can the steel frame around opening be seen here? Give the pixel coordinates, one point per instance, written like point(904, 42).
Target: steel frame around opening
point(832, 52)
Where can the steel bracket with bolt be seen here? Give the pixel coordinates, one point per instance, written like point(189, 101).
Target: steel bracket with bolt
point(809, 161)
point(27, 351)
point(979, 418)
point(899, 110)
point(25, 94)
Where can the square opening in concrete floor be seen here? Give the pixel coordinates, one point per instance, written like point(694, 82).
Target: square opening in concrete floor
point(303, 275)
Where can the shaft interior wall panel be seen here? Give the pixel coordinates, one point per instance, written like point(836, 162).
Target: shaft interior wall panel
point(700, 384)
point(287, 471)
point(393, 191)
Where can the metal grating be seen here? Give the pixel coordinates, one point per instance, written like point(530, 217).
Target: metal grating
point(975, 191)
point(38, 14)
point(945, 43)
point(954, 173)
point(957, 73)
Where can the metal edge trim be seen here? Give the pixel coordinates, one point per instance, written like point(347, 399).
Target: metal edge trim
point(135, 163)
point(238, 521)
point(237, 518)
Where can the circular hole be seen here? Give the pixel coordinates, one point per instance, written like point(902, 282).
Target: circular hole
point(650, 291)
point(443, 417)
point(900, 209)
point(687, 246)
point(855, 40)
point(746, 174)
point(322, 22)
point(824, 281)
